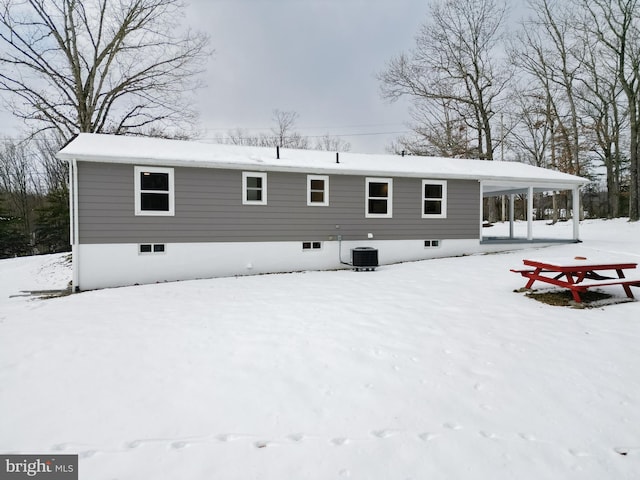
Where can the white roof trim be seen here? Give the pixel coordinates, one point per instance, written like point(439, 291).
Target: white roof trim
point(179, 153)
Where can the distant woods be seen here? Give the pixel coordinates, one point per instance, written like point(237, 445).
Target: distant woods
point(34, 197)
point(561, 90)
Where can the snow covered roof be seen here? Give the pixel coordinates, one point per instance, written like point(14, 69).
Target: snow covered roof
point(155, 151)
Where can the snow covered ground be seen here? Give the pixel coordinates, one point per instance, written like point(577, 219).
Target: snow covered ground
point(434, 369)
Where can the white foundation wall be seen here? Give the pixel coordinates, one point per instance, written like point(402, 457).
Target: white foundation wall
point(115, 265)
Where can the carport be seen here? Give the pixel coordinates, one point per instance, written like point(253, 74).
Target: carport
point(528, 188)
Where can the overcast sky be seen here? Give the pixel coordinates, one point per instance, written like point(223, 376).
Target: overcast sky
point(318, 58)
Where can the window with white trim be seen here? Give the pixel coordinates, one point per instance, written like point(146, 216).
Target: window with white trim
point(434, 199)
point(318, 190)
point(154, 191)
point(379, 198)
point(254, 188)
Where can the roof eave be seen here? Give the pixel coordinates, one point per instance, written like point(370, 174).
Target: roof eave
point(336, 168)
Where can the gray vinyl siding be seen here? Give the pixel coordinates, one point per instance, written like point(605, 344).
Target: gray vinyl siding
point(208, 208)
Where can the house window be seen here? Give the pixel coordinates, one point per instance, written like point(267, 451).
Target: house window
point(317, 190)
point(254, 188)
point(431, 243)
point(379, 201)
point(434, 199)
point(154, 192)
point(306, 246)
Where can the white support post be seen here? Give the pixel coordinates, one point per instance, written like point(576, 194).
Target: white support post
point(530, 213)
point(512, 208)
point(576, 213)
point(481, 209)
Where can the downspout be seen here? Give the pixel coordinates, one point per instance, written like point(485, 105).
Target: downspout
point(71, 211)
point(340, 252)
point(74, 224)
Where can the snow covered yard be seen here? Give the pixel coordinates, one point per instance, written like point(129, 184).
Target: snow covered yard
point(432, 369)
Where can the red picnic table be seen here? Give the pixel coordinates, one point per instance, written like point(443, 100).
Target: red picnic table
point(578, 274)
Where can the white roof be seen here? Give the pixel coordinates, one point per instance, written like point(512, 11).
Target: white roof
point(156, 151)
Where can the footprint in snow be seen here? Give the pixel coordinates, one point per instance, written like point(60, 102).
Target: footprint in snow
point(452, 426)
point(383, 433)
point(87, 453)
point(339, 441)
point(296, 437)
point(578, 453)
point(488, 435)
point(528, 437)
point(179, 445)
point(427, 436)
point(624, 451)
point(133, 444)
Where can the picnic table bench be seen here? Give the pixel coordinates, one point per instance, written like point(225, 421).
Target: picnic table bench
point(579, 274)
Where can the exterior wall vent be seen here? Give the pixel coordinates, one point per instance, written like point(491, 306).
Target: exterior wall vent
point(145, 248)
point(364, 258)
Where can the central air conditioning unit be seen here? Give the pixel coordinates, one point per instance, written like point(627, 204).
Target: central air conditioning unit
point(364, 258)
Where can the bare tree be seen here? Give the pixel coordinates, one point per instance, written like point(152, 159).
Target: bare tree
point(455, 61)
point(239, 136)
point(99, 65)
point(616, 26)
point(440, 129)
point(331, 143)
point(550, 54)
point(561, 53)
point(604, 116)
point(536, 125)
point(284, 134)
point(54, 172)
point(19, 181)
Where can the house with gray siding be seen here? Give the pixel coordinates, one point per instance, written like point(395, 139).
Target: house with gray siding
point(146, 210)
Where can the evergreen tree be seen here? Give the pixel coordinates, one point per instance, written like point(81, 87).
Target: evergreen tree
point(13, 240)
point(52, 230)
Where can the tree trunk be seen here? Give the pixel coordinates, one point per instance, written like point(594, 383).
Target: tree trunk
point(634, 186)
